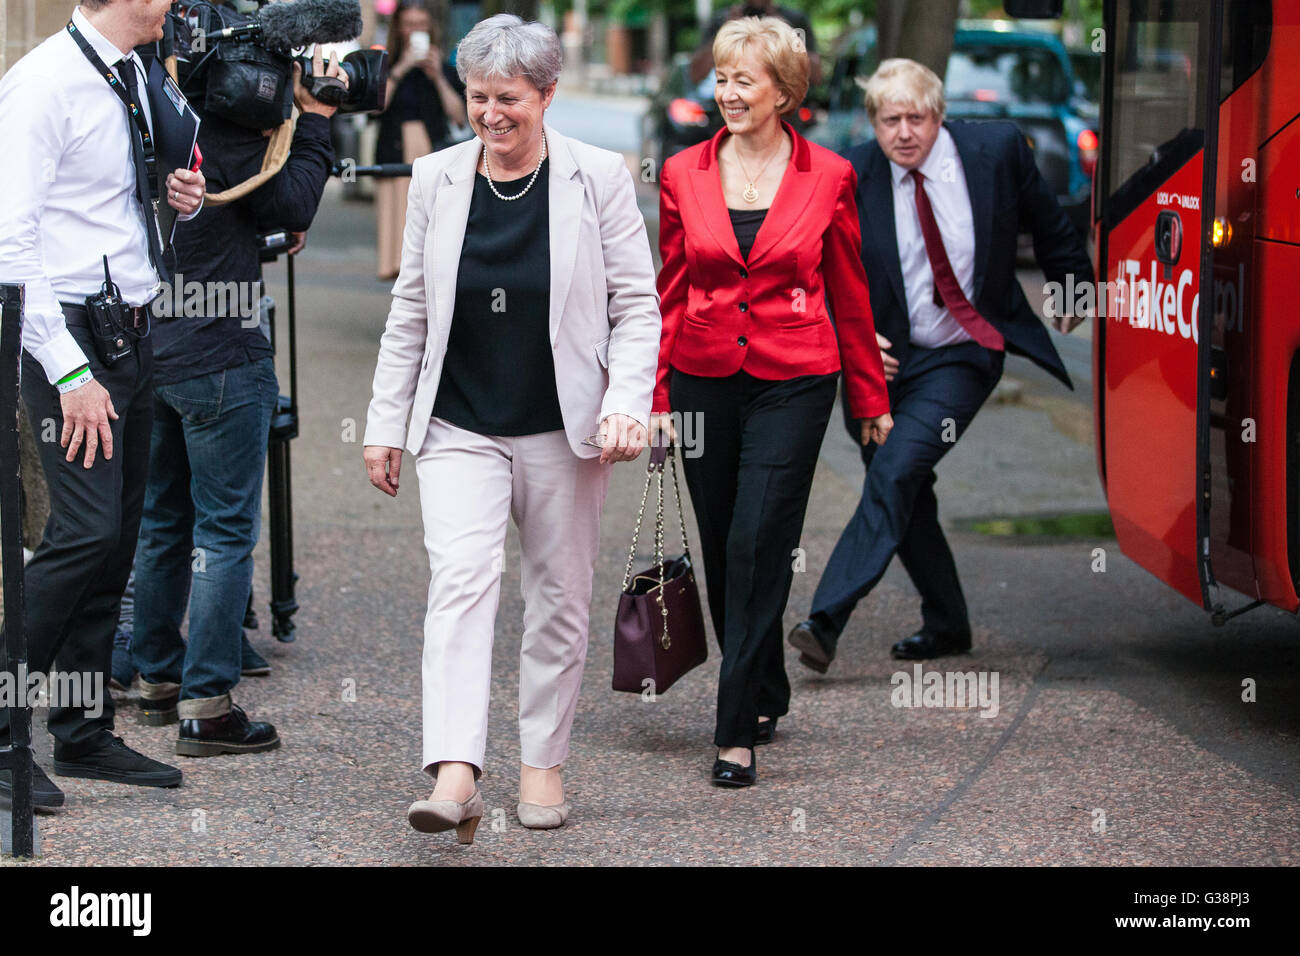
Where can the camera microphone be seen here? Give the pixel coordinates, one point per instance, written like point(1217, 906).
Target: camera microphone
point(297, 23)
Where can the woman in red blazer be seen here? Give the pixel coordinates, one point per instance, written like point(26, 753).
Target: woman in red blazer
point(758, 230)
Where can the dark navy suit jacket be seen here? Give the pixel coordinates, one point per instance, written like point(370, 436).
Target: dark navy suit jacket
point(1007, 196)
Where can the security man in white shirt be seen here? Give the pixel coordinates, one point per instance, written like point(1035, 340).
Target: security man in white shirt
point(78, 131)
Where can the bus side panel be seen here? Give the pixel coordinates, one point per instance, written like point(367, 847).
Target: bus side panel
point(1277, 336)
point(1150, 383)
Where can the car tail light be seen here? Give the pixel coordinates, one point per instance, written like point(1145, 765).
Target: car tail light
point(687, 113)
point(985, 96)
point(1087, 143)
point(805, 114)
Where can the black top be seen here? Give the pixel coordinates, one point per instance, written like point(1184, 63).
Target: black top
point(208, 320)
point(415, 98)
point(745, 223)
point(499, 374)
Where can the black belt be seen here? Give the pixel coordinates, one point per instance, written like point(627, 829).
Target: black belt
point(76, 315)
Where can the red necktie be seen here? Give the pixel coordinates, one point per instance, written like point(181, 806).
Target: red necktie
point(945, 280)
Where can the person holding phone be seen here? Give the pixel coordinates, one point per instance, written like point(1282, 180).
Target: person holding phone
point(760, 243)
point(425, 97)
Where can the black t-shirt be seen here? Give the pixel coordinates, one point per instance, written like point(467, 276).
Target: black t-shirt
point(499, 374)
point(209, 320)
point(745, 224)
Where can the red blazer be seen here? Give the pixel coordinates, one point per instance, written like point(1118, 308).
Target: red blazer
point(767, 316)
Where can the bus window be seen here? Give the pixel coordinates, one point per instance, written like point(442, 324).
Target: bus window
point(1159, 99)
point(1158, 110)
point(1247, 29)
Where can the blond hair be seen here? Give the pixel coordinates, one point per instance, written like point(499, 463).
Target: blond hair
point(904, 82)
point(780, 48)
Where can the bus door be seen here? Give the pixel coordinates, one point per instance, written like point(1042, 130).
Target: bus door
point(1149, 256)
point(1174, 405)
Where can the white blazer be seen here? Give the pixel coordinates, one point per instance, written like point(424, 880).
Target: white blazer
point(604, 317)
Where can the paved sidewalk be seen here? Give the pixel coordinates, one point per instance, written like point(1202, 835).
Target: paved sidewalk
point(1120, 735)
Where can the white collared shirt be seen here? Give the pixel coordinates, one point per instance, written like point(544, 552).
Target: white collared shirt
point(69, 182)
point(933, 325)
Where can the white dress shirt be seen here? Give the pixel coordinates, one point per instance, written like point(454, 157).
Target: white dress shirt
point(933, 325)
point(70, 190)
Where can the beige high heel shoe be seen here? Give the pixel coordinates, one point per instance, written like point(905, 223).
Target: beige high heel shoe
point(434, 816)
point(535, 816)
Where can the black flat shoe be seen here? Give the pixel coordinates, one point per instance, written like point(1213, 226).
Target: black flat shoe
point(728, 774)
point(813, 652)
point(766, 732)
point(923, 646)
point(45, 795)
point(113, 760)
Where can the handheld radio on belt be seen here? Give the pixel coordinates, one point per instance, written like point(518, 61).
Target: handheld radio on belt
point(109, 324)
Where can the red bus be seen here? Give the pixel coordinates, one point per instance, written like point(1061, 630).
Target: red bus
point(1197, 200)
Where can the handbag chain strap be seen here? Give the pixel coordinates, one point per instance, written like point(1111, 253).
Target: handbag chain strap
point(636, 532)
point(659, 557)
point(681, 514)
point(653, 472)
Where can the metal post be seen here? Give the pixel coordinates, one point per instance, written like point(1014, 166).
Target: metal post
point(284, 428)
point(17, 757)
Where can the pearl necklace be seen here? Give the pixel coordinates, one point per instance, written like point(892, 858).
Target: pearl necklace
point(519, 195)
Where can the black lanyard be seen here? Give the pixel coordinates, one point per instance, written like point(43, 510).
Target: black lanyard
point(133, 109)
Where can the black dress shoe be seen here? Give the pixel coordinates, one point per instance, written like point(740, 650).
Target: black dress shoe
point(728, 774)
point(766, 732)
point(113, 760)
point(231, 733)
point(45, 795)
point(813, 652)
point(923, 646)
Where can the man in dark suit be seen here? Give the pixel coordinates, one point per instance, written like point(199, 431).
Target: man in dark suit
point(941, 205)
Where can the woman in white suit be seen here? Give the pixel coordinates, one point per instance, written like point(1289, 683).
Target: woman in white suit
point(517, 364)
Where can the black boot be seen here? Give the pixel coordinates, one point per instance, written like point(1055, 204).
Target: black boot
point(231, 733)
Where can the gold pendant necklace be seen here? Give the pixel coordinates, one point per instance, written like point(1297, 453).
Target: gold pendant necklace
point(750, 192)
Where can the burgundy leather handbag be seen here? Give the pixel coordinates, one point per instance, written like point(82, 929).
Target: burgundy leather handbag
point(659, 628)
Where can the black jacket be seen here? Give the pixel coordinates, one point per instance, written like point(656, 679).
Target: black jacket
point(219, 244)
point(1007, 196)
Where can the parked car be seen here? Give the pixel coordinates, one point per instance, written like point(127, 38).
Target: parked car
point(1087, 69)
point(682, 114)
point(996, 71)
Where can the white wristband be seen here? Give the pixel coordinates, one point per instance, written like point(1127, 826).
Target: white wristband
point(77, 382)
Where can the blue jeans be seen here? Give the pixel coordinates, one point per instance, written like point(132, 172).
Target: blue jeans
point(202, 516)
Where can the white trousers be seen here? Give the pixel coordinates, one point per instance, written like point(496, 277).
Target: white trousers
point(470, 485)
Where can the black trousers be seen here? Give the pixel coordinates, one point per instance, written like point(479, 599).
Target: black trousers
point(933, 398)
point(74, 582)
point(760, 442)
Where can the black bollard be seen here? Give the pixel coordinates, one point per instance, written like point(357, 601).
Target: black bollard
point(17, 757)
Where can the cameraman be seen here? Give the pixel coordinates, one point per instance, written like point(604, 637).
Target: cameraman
point(69, 169)
point(214, 393)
